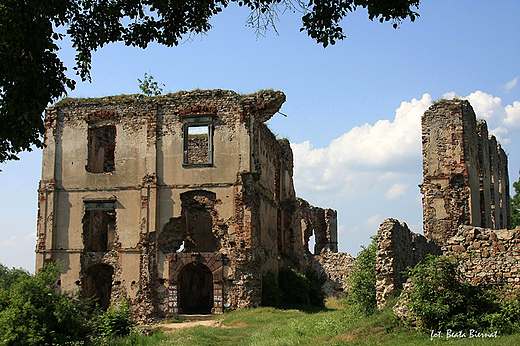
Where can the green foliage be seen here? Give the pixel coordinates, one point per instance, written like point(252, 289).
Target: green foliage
point(362, 279)
point(441, 300)
point(33, 312)
point(10, 276)
point(316, 294)
point(32, 75)
point(515, 205)
point(300, 289)
point(117, 320)
point(271, 293)
point(148, 86)
point(294, 287)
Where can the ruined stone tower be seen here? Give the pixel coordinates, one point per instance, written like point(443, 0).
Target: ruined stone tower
point(181, 201)
point(465, 172)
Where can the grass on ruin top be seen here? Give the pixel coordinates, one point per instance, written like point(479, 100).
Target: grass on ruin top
point(338, 324)
point(133, 97)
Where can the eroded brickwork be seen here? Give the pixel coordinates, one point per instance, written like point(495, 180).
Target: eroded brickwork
point(181, 193)
point(491, 257)
point(465, 172)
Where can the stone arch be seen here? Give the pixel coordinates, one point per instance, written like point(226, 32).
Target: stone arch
point(179, 269)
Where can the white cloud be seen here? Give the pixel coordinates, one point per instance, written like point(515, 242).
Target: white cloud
point(502, 121)
point(512, 114)
point(485, 105)
point(365, 156)
point(511, 84)
point(373, 222)
point(396, 191)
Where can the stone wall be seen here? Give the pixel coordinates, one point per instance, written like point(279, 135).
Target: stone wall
point(337, 267)
point(465, 172)
point(397, 249)
point(320, 222)
point(491, 257)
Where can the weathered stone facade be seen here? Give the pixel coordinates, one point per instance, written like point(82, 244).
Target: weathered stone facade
point(180, 201)
point(397, 249)
point(465, 205)
point(491, 257)
point(465, 172)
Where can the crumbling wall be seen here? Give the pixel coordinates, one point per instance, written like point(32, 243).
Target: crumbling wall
point(397, 249)
point(337, 267)
point(464, 172)
point(319, 222)
point(490, 257)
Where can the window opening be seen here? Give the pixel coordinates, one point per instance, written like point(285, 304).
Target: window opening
point(99, 226)
point(312, 243)
point(198, 145)
point(102, 146)
point(198, 140)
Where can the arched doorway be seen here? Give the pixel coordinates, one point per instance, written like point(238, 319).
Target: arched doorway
point(196, 289)
point(98, 283)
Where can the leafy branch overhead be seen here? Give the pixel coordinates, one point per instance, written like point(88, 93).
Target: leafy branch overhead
point(32, 75)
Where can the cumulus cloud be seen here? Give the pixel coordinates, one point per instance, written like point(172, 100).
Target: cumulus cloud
point(396, 191)
point(351, 163)
point(511, 84)
point(503, 121)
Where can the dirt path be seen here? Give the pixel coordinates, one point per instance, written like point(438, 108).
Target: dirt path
point(182, 325)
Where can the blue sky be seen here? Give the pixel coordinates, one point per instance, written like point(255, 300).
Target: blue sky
point(353, 109)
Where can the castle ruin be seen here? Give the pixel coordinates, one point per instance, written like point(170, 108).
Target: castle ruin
point(180, 201)
point(183, 201)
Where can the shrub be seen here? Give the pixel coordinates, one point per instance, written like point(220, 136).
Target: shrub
point(271, 293)
point(294, 287)
point(33, 312)
point(300, 289)
point(362, 279)
point(117, 320)
point(439, 299)
point(316, 294)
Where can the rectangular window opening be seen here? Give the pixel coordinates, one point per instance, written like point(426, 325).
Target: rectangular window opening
point(99, 224)
point(198, 145)
point(102, 146)
point(198, 140)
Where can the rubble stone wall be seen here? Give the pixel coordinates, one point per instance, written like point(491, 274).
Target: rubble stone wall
point(397, 249)
point(491, 257)
point(337, 267)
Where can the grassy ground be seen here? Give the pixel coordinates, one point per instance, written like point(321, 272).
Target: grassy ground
point(336, 325)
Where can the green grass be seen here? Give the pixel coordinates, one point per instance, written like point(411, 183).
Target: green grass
point(339, 324)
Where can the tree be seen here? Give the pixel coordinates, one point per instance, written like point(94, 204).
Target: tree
point(362, 279)
point(149, 86)
point(32, 75)
point(515, 205)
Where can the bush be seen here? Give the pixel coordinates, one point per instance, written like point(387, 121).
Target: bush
point(33, 312)
point(294, 287)
point(271, 293)
point(300, 289)
point(316, 294)
point(117, 320)
point(439, 299)
point(362, 279)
